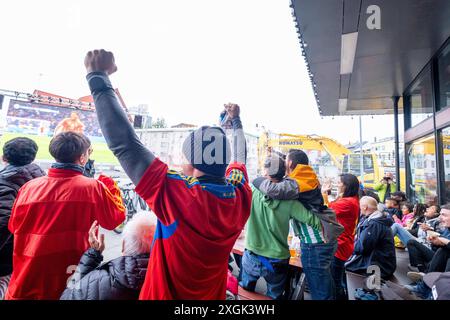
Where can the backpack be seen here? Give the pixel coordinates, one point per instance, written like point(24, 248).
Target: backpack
point(331, 228)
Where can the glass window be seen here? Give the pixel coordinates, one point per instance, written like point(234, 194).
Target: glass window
point(421, 155)
point(446, 153)
point(420, 98)
point(444, 78)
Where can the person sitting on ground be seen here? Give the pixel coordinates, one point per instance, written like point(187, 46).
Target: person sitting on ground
point(440, 260)
point(51, 219)
point(400, 226)
point(430, 222)
point(419, 217)
point(386, 187)
point(18, 155)
point(267, 252)
point(407, 214)
point(200, 213)
point(421, 250)
point(317, 248)
point(392, 209)
point(374, 243)
point(118, 279)
point(399, 196)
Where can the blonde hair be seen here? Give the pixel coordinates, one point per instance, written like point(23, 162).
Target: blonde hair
point(370, 202)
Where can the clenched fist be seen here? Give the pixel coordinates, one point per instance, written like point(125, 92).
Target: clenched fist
point(100, 60)
point(232, 110)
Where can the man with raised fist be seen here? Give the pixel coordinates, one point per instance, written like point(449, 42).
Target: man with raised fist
point(201, 212)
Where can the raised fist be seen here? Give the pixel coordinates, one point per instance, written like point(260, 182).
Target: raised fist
point(233, 110)
point(100, 60)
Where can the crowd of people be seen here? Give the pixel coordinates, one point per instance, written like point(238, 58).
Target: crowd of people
point(51, 248)
point(34, 118)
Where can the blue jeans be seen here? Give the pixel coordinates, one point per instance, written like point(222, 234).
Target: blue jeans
point(402, 233)
point(275, 274)
point(338, 273)
point(316, 262)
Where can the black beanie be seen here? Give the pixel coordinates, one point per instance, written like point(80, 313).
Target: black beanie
point(208, 150)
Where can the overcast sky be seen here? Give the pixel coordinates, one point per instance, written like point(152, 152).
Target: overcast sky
point(185, 59)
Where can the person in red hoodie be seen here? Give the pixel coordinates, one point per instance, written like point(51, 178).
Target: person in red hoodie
point(346, 207)
point(201, 211)
point(51, 218)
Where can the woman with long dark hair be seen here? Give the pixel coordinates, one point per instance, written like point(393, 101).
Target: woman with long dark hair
point(346, 207)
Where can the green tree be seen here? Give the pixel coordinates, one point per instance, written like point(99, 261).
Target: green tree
point(159, 123)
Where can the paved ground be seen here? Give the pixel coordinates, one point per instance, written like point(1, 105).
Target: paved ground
point(113, 246)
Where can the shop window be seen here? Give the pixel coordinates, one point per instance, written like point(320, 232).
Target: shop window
point(419, 98)
point(444, 78)
point(421, 155)
point(446, 154)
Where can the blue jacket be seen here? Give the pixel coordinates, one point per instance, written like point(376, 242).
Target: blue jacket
point(374, 245)
point(391, 212)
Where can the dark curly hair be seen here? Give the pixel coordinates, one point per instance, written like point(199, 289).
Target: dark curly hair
point(20, 151)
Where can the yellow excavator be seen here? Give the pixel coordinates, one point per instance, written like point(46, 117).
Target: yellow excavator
point(341, 157)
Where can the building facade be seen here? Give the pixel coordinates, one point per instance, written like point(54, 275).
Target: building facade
point(167, 145)
point(386, 57)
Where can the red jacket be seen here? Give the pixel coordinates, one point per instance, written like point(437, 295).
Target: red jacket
point(50, 221)
point(198, 225)
point(347, 214)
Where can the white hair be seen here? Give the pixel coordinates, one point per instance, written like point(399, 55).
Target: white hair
point(370, 202)
point(138, 234)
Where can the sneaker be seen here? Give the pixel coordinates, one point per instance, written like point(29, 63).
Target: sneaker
point(415, 276)
point(413, 268)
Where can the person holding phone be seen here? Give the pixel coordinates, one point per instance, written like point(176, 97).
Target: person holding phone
point(386, 187)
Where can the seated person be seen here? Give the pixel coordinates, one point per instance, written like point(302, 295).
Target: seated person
point(267, 251)
point(421, 253)
point(407, 214)
point(399, 196)
point(440, 260)
point(392, 209)
point(374, 242)
point(300, 184)
point(118, 279)
point(419, 217)
point(429, 223)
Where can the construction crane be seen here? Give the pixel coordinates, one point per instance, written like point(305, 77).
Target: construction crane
point(283, 142)
point(342, 158)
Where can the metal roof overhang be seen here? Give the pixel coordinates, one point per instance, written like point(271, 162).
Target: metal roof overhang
point(386, 61)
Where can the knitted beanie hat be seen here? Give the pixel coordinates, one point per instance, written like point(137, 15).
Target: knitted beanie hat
point(208, 150)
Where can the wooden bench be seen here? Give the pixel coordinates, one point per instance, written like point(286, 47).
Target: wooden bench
point(248, 295)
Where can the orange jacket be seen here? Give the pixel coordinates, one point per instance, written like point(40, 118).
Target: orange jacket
point(50, 221)
point(306, 178)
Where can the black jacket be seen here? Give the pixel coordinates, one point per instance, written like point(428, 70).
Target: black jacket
point(415, 226)
point(11, 180)
point(374, 245)
point(391, 212)
point(118, 279)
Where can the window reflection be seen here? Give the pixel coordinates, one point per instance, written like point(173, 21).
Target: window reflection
point(444, 78)
point(446, 153)
point(420, 98)
point(422, 160)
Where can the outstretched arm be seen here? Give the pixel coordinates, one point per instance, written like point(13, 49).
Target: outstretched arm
point(239, 142)
point(120, 136)
point(284, 190)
